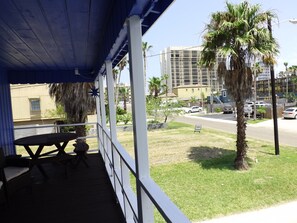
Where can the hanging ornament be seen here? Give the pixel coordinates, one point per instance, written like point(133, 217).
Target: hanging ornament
point(94, 92)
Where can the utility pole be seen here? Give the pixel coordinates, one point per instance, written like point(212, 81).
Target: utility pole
point(287, 81)
point(273, 97)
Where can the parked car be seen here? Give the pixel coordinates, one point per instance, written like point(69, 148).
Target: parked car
point(193, 109)
point(262, 103)
point(227, 109)
point(248, 109)
point(290, 113)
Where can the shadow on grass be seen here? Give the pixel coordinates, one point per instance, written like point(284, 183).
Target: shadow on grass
point(212, 157)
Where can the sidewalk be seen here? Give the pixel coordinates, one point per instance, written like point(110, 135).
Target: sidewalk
point(289, 125)
point(283, 213)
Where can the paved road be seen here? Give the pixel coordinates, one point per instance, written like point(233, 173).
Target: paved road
point(287, 129)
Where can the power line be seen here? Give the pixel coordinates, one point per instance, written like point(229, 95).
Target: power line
point(158, 54)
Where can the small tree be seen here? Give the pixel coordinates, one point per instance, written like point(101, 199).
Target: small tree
point(261, 111)
point(56, 113)
point(169, 109)
point(153, 105)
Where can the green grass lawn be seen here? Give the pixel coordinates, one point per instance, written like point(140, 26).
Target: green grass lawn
point(196, 171)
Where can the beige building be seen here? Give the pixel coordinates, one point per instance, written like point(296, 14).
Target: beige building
point(30, 104)
point(190, 91)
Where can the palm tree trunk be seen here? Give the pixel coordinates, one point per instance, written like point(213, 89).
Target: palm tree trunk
point(117, 88)
point(125, 103)
point(241, 145)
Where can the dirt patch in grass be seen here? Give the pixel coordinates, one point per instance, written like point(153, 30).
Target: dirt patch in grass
point(175, 145)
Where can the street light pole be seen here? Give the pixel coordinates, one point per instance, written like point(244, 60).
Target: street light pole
point(211, 93)
point(286, 72)
point(255, 93)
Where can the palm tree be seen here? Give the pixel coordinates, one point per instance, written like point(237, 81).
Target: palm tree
point(164, 86)
point(155, 86)
point(193, 100)
point(238, 34)
point(121, 65)
point(286, 65)
point(124, 94)
point(293, 69)
point(145, 48)
point(257, 69)
point(287, 79)
point(75, 99)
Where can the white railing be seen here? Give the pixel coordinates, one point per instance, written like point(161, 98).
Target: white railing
point(120, 178)
point(120, 166)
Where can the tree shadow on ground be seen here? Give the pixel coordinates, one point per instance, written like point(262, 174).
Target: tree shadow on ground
point(212, 157)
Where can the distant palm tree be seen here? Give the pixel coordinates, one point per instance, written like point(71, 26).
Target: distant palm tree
point(121, 65)
point(155, 85)
point(193, 100)
point(145, 48)
point(165, 85)
point(257, 69)
point(75, 99)
point(115, 73)
point(238, 34)
point(286, 65)
point(124, 93)
point(293, 78)
point(293, 69)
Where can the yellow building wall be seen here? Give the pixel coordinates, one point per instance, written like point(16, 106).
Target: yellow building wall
point(21, 107)
point(191, 91)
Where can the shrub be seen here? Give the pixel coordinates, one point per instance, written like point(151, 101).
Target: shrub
point(126, 118)
point(218, 109)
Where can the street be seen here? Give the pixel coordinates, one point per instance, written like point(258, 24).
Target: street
point(287, 129)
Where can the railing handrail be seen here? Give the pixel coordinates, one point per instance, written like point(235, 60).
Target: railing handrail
point(52, 125)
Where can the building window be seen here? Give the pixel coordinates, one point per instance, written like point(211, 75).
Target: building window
point(35, 104)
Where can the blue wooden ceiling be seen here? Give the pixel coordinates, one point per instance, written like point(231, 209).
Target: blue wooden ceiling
point(45, 40)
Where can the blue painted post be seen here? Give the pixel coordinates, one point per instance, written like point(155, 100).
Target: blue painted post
point(6, 120)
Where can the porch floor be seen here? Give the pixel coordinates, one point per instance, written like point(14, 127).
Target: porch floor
point(85, 196)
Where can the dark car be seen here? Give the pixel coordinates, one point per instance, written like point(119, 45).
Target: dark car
point(227, 109)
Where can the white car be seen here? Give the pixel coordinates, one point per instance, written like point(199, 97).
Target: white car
point(290, 113)
point(193, 109)
point(248, 109)
point(262, 103)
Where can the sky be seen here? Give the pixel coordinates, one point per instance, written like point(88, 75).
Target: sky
point(183, 23)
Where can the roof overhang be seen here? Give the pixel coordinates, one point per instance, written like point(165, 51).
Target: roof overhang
point(46, 41)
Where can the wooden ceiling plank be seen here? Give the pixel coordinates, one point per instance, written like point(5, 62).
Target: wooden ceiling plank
point(56, 16)
point(33, 13)
point(79, 24)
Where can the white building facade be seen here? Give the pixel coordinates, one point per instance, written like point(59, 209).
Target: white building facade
point(181, 66)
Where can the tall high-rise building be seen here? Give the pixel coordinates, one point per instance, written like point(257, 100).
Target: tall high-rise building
point(181, 66)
